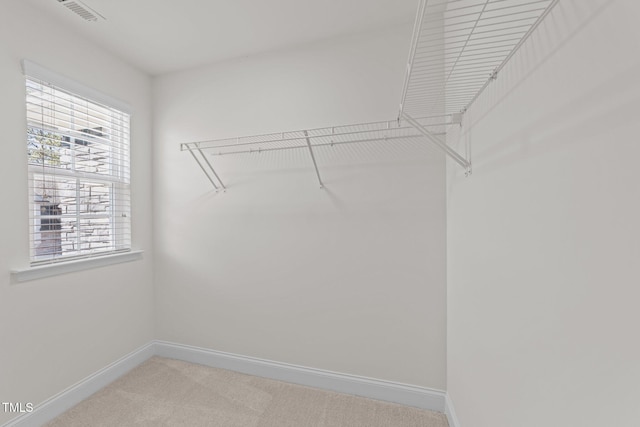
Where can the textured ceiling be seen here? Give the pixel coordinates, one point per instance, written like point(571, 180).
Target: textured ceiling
point(161, 36)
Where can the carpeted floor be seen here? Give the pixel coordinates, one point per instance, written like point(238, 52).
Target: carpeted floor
point(166, 392)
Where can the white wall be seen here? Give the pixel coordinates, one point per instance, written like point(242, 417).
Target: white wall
point(350, 278)
point(56, 331)
point(543, 238)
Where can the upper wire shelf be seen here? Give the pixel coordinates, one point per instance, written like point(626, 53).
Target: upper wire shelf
point(459, 46)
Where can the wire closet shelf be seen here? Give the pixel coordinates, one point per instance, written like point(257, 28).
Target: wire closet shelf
point(309, 140)
point(458, 47)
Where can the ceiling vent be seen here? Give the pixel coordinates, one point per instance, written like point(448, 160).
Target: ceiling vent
point(81, 9)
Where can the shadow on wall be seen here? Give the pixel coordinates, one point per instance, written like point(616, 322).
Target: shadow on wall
point(577, 119)
point(611, 101)
point(520, 79)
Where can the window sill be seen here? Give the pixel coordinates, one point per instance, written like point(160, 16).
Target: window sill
point(33, 273)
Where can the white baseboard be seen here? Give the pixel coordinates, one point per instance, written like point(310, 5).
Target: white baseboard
point(56, 405)
point(420, 397)
point(450, 412)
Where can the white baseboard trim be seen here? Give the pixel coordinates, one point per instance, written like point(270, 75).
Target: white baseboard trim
point(450, 412)
point(56, 405)
point(420, 397)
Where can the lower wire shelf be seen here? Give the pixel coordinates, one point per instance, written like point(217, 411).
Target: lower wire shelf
point(432, 128)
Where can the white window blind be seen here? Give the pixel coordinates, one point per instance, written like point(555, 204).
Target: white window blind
point(79, 181)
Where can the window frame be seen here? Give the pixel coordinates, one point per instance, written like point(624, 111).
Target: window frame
point(117, 184)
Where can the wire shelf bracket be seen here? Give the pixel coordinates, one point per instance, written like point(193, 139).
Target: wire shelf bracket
point(313, 158)
point(442, 145)
point(210, 173)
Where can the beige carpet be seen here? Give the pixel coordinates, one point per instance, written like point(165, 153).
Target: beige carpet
point(166, 392)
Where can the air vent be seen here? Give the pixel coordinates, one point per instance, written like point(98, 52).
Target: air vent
point(81, 9)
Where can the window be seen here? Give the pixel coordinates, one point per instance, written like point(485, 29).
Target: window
point(79, 189)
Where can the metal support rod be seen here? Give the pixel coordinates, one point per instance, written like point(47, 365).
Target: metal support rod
point(212, 169)
point(329, 144)
point(443, 146)
point(319, 133)
point(202, 167)
point(315, 165)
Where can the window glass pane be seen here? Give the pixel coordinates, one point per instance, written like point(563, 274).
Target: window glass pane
point(78, 154)
point(72, 217)
point(54, 221)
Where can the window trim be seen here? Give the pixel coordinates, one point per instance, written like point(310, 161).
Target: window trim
point(35, 71)
point(69, 266)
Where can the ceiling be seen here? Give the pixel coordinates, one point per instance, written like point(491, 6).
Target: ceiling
point(161, 36)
